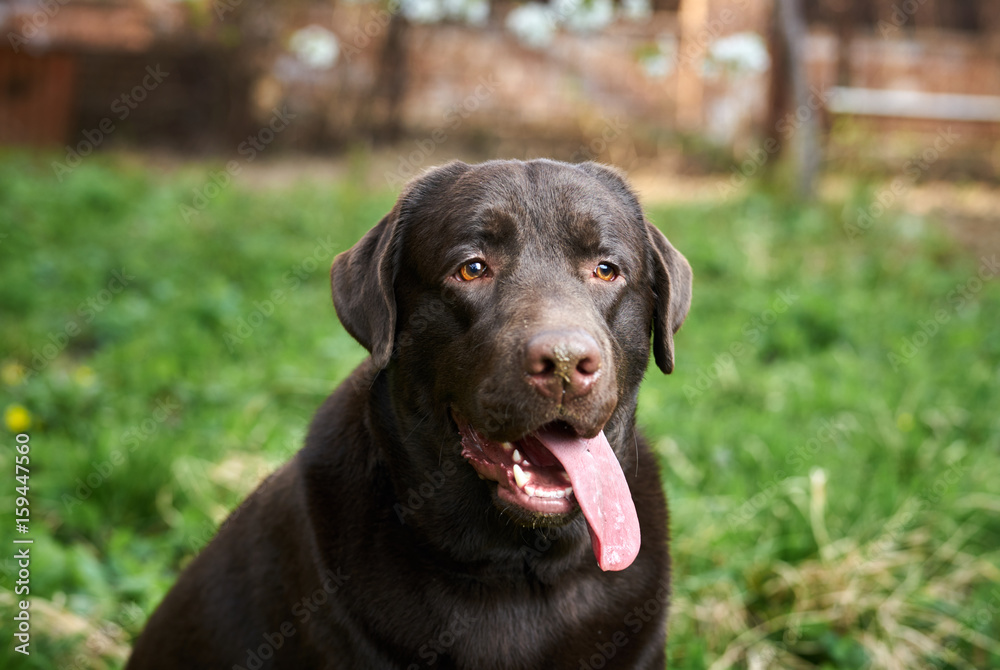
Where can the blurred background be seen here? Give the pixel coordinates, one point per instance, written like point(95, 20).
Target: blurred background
point(177, 175)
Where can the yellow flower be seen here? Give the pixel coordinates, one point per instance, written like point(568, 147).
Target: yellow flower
point(84, 376)
point(17, 418)
point(12, 373)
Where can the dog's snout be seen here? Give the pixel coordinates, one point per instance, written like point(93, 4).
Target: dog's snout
point(563, 363)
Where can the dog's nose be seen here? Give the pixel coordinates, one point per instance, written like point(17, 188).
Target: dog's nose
point(563, 362)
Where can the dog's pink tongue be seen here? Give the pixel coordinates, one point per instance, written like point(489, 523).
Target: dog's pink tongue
point(600, 489)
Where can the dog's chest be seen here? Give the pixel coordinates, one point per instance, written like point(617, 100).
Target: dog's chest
point(500, 629)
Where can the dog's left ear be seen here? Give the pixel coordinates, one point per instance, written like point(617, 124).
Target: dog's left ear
point(362, 280)
point(673, 296)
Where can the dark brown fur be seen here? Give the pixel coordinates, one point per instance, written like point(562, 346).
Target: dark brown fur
point(378, 546)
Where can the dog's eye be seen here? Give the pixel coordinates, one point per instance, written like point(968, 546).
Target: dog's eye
point(605, 271)
point(472, 270)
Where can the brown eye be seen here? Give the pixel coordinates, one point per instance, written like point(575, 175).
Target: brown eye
point(472, 270)
point(605, 271)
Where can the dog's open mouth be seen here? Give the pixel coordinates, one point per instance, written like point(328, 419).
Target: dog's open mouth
point(552, 470)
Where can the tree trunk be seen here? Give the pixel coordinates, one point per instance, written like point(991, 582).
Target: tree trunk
point(847, 19)
point(693, 16)
point(381, 112)
point(791, 34)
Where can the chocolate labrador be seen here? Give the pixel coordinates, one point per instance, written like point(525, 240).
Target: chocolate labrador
point(475, 495)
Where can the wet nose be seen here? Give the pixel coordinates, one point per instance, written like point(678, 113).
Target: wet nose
point(562, 363)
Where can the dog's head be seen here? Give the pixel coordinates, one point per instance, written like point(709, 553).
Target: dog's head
point(514, 302)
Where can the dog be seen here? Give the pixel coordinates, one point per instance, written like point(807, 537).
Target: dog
point(475, 494)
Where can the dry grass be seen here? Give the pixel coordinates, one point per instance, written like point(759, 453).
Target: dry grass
point(97, 645)
point(900, 600)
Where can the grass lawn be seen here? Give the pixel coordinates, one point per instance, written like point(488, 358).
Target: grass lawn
point(830, 438)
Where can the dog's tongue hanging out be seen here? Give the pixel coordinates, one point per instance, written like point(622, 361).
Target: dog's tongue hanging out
point(597, 483)
point(600, 489)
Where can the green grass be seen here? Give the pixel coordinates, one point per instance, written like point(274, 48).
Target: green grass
point(831, 507)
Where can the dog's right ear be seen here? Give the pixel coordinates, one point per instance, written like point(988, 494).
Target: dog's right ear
point(671, 274)
point(363, 277)
point(362, 280)
point(672, 279)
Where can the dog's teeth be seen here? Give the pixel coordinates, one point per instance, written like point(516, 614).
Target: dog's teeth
point(567, 492)
point(520, 478)
point(507, 446)
point(517, 456)
point(544, 493)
